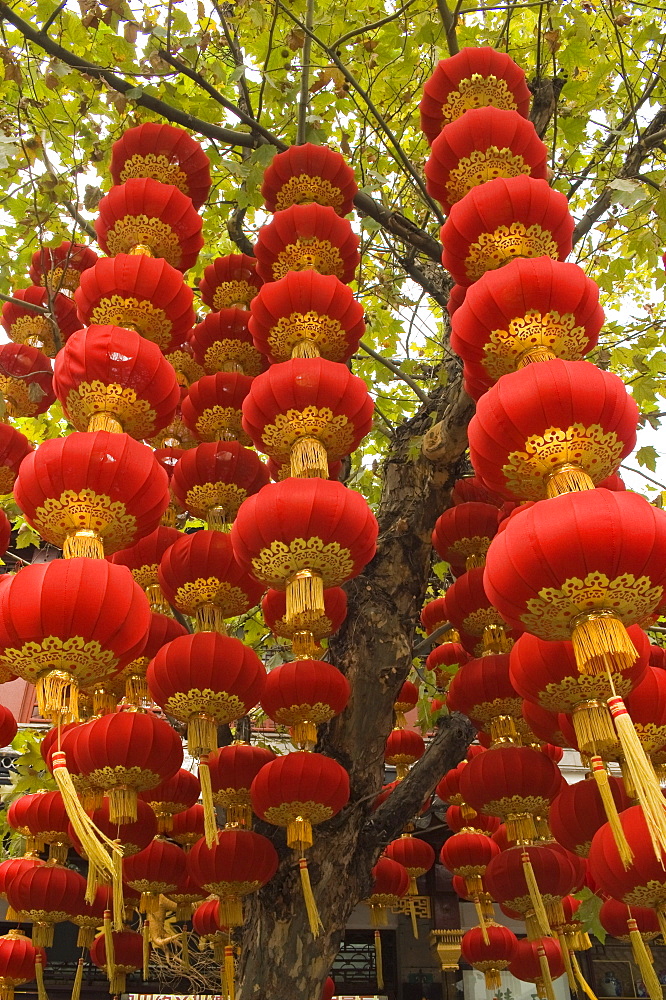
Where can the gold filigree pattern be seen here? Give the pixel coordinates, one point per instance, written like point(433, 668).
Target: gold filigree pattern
point(475, 545)
point(86, 661)
point(138, 778)
point(143, 230)
point(513, 805)
point(277, 563)
point(305, 189)
point(652, 736)
point(222, 423)
point(317, 713)
point(589, 448)
point(336, 433)
point(477, 91)
point(136, 415)
point(487, 710)
point(420, 905)
point(140, 315)
point(231, 293)
point(564, 695)
point(491, 250)
point(555, 332)
point(232, 601)
point(222, 353)
point(478, 620)
point(650, 894)
point(309, 254)
point(36, 331)
point(89, 511)
point(287, 812)
point(17, 397)
point(304, 621)
point(176, 435)
point(60, 278)
point(203, 497)
point(187, 368)
point(146, 575)
point(551, 613)
point(483, 165)
point(324, 331)
point(7, 480)
point(523, 904)
point(218, 705)
point(158, 167)
point(230, 889)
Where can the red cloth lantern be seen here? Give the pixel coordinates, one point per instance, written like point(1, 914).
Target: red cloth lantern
point(479, 823)
point(167, 154)
point(160, 868)
point(529, 310)
point(471, 489)
point(46, 895)
point(146, 217)
point(138, 293)
point(482, 690)
point(25, 326)
point(304, 694)
point(658, 657)
point(127, 958)
point(306, 314)
point(328, 989)
point(416, 856)
point(614, 917)
point(12, 867)
point(161, 631)
point(185, 896)
point(201, 577)
point(463, 533)
point(232, 771)
point(134, 836)
point(502, 219)
point(307, 174)
point(307, 237)
point(223, 343)
point(186, 368)
point(14, 447)
point(171, 796)
point(535, 961)
point(212, 480)
point(471, 610)
point(543, 724)
point(59, 268)
point(473, 78)
point(433, 616)
point(19, 959)
point(481, 145)
point(26, 380)
point(239, 862)
point(92, 494)
point(110, 378)
point(406, 700)
point(468, 855)
point(46, 820)
point(143, 560)
point(445, 661)
point(212, 407)
point(403, 748)
point(230, 282)
point(188, 826)
point(647, 707)
point(307, 410)
point(306, 630)
point(578, 812)
point(390, 884)
point(8, 725)
point(491, 958)
point(507, 880)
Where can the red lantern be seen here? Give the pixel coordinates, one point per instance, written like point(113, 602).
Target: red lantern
point(212, 407)
point(307, 237)
point(232, 771)
point(212, 480)
point(390, 884)
point(502, 219)
point(306, 630)
point(26, 380)
point(14, 447)
point(530, 879)
point(186, 369)
point(328, 989)
point(433, 616)
point(468, 855)
point(92, 494)
point(308, 411)
point(138, 293)
point(46, 820)
point(185, 896)
point(188, 826)
point(471, 489)
point(46, 895)
point(463, 533)
point(11, 868)
point(109, 378)
point(615, 916)
point(406, 700)
point(416, 856)
point(171, 796)
point(538, 962)
point(303, 695)
point(230, 282)
point(543, 724)
point(160, 868)
point(481, 145)
point(146, 217)
point(19, 962)
point(306, 314)
point(38, 329)
point(239, 862)
point(445, 660)
point(134, 836)
point(223, 343)
point(201, 577)
point(483, 691)
point(479, 823)
point(647, 708)
point(470, 609)
point(491, 958)
point(473, 78)
point(59, 268)
point(309, 174)
point(8, 724)
point(167, 154)
point(127, 958)
point(143, 560)
point(403, 748)
point(162, 630)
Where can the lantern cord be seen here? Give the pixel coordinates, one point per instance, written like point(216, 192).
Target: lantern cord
point(535, 896)
point(145, 933)
point(184, 950)
point(412, 914)
point(644, 961)
point(310, 904)
point(78, 981)
point(108, 943)
point(566, 958)
point(482, 920)
point(378, 960)
point(39, 976)
point(600, 775)
point(210, 817)
point(229, 972)
point(545, 973)
point(582, 981)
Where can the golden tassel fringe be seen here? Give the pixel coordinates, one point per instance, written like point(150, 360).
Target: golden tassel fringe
point(567, 479)
point(627, 780)
point(545, 974)
point(601, 644)
point(136, 691)
point(78, 981)
point(231, 911)
point(535, 896)
point(661, 917)
point(58, 697)
point(117, 983)
point(105, 422)
point(210, 817)
point(520, 828)
point(229, 971)
point(108, 942)
point(299, 833)
point(594, 728)
point(482, 920)
point(216, 519)
point(42, 934)
point(304, 647)
point(378, 915)
point(412, 915)
point(309, 459)
point(122, 804)
point(304, 735)
point(535, 355)
point(104, 702)
point(83, 543)
point(378, 960)
point(502, 729)
point(58, 853)
point(185, 950)
point(582, 981)
point(644, 961)
point(495, 639)
point(145, 934)
point(157, 600)
point(39, 977)
point(209, 618)
point(170, 517)
point(476, 560)
point(118, 898)
point(314, 919)
point(555, 913)
point(305, 348)
point(201, 735)
point(305, 592)
point(493, 979)
point(85, 937)
point(600, 776)
point(566, 958)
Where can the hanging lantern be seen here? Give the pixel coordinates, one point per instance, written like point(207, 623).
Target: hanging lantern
point(45, 817)
point(491, 958)
point(406, 700)
point(230, 282)
point(305, 315)
point(162, 630)
point(212, 407)
point(206, 925)
point(143, 560)
point(137, 293)
point(636, 925)
point(5, 538)
point(445, 660)
point(223, 343)
point(14, 447)
point(538, 962)
point(468, 855)
point(20, 962)
point(307, 237)
point(390, 884)
point(68, 624)
point(304, 694)
point(473, 78)
point(8, 724)
point(471, 489)
point(433, 616)
point(127, 958)
point(26, 380)
point(463, 534)
point(133, 837)
point(403, 748)
point(59, 268)
point(143, 216)
point(308, 411)
point(171, 796)
point(164, 153)
point(176, 435)
point(185, 895)
point(529, 310)
point(503, 219)
point(18, 814)
point(482, 690)
point(11, 868)
point(458, 822)
point(46, 895)
point(232, 771)
point(552, 428)
point(328, 989)
point(303, 535)
point(646, 706)
point(309, 174)
point(160, 868)
point(186, 368)
point(481, 145)
point(545, 725)
point(238, 863)
point(92, 916)
point(532, 880)
point(201, 578)
point(485, 899)
point(42, 330)
point(416, 856)
point(92, 494)
point(188, 826)
point(470, 609)
point(306, 630)
point(109, 378)
point(212, 480)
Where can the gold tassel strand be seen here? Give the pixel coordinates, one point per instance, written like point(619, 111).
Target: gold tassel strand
point(412, 914)
point(78, 981)
point(305, 592)
point(118, 895)
point(230, 971)
point(566, 958)
point(210, 618)
point(310, 904)
point(582, 981)
point(545, 973)
point(210, 816)
point(184, 949)
point(601, 643)
point(567, 479)
point(600, 775)
point(378, 960)
point(104, 421)
point(108, 943)
point(661, 917)
point(145, 934)
point(308, 459)
point(644, 961)
point(39, 977)
point(482, 920)
point(535, 896)
point(57, 693)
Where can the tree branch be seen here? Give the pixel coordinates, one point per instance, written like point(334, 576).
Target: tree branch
point(31, 306)
point(416, 389)
point(449, 23)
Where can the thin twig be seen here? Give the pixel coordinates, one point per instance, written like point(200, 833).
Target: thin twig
point(31, 306)
point(449, 23)
point(303, 99)
point(644, 475)
point(373, 25)
point(416, 389)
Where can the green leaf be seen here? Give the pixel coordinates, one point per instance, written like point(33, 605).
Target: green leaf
point(648, 456)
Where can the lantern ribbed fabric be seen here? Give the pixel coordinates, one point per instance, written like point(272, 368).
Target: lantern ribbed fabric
point(471, 489)
point(59, 268)
point(167, 154)
point(578, 812)
point(160, 868)
point(303, 695)
point(162, 630)
point(200, 576)
point(445, 660)
point(232, 771)
point(482, 690)
point(416, 856)
point(239, 862)
point(647, 707)
point(503, 219)
point(305, 631)
point(134, 836)
point(540, 427)
point(188, 826)
point(92, 494)
point(25, 326)
point(46, 895)
point(68, 624)
point(212, 480)
point(186, 368)
point(222, 342)
point(306, 314)
point(172, 796)
point(230, 281)
point(212, 407)
point(637, 925)
point(306, 237)
point(309, 174)
point(127, 957)
point(8, 725)
point(468, 854)
point(403, 748)
point(158, 218)
point(505, 879)
point(525, 310)
point(491, 958)
point(406, 700)
point(538, 962)
point(14, 447)
point(470, 609)
point(110, 378)
point(139, 293)
point(47, 822)
point(18, 961)
point(480, 823)
point(463, 533)
point(143, 560)
point(390, 883)
point(433, 615)
point(26, 380)
point(481, 145)
point(473, 78)
point(307, 410)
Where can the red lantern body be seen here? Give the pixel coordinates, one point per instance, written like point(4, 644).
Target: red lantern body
point(188, 826)
point(14, 447)
point(47, 895)
point(230, 282)
point(212, 480)
point(26, 380)
point(167, 154)
point(482, 690)
point(223, 343)
point(127, 957)
point(526, 962)
point(433, 616)
point(555, 876)
point(232, 771)
point(18, 958)
point(25, 326)
point(463, 533)
point(135, 836)
point(416, 856)
point(303, 695)
point(643, 881)
point(59, 268)
point(306, 174)
point(212, 407)
point(305, 631)
point(240, 862)
point(306, 237)
point(174, 795)
point(614, 915)
point(160, 868)
point(490, 958)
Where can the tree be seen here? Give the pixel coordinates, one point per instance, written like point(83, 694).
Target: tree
point(253, 77)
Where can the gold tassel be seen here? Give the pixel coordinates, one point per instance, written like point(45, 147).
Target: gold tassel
point(648, 792)
point(84, 828)
point(534, 355)
point(412, 914)
point(304, 647)
point(304, 735)
point(600, 776)
point(229, 971)
point(594, 729)
point(476, 560)
point(83, 544)
point(520, 828)
point(310, 904)
point(545, 973)
point(184, 950)
point(78, 981)
point(216, 519)
point(305, 592)
point(104, 702)
point(582, 981)
point(210, 817)
point(209, 618)
point(42, 934)
point(85, 937)
point(309, 459)
point(535, 896)
point(201, 735)
point(661, 917)
point(231, 911)
point(118, 896)
point(644, 961)
point(140, 250)
point(378, 960)
point(299, 833)
point(568, 479)
point(566, 958)
point(170, 517)
point(601, 643)
point(108, 942)
point(157, 600)
point(502, 729)
point(58, 697)
point(145, 934)
point(104, 422)
point(495, 639)
point(305, 348)
point(482, 920)
point(122, 804)
point(493, 979)
point(39, 977)
point(400, 720)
